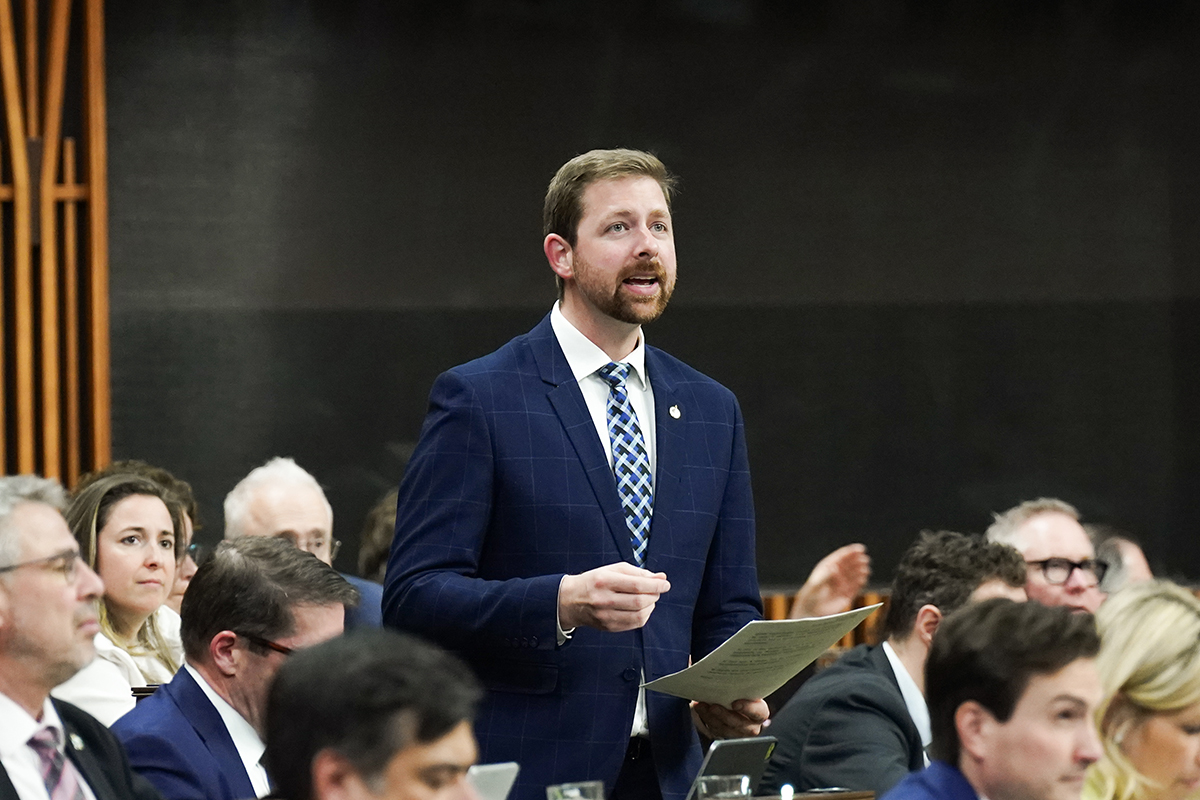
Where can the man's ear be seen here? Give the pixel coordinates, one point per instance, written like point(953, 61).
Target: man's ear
point(928, 618)
point(334, 778)
point(223, 651)
point(974, 724)
point(560, 255)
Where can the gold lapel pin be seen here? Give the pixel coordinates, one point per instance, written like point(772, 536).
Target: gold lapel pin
point(674, 412)
point(76, 742)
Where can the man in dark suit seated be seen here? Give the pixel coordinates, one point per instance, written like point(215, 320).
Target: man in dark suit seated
point(396, 722)
point(49, 749)
point(862, 724)
point(1013, 691)
point(250, 605)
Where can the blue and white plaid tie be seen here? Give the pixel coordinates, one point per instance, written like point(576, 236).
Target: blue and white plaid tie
point(631, 463)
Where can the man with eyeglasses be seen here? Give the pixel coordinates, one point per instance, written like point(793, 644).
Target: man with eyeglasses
point(1062, 569)
point(281, 499)
point(250, 605)
point(49, 749)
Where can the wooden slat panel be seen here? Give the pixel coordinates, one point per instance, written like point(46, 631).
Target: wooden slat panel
point(3, 353)
point(31, 67)
point(100, 399)
point(70, 296)
point(56, 73)
point(22, 267)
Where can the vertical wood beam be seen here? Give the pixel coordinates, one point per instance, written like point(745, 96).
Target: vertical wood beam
point(22, 311)
point(70, 298)
point(56, 74)
point(95, 127)
point(31, 67)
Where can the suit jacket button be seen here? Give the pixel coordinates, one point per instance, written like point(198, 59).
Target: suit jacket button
point(629, 674)
point(533, 641)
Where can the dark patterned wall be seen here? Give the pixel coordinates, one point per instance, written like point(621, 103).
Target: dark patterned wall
point(945, 255)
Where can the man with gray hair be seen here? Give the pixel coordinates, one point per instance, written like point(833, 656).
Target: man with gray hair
point(49, 749)
point(281, 499)
point(1061, 560)
point(256, 600)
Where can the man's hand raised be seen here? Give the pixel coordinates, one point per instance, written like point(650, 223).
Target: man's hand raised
point(615, 597)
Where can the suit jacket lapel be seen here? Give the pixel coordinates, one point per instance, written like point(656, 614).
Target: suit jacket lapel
point(7, 790)
point(669, 443)
point(572, 412)
point(206, 720)
point(86, 761)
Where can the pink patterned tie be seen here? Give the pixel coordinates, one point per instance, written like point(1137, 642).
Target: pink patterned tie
point(59, 774)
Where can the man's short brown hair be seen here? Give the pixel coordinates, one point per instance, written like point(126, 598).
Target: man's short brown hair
point(564, 197)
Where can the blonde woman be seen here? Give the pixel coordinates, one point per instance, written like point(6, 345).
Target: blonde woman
point(1149, 721)
point(128, 530)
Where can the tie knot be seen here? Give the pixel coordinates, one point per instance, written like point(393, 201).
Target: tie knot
point(615, 372)
point(46, 739)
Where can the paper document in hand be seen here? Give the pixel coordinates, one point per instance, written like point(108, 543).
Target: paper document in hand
point(759, 658)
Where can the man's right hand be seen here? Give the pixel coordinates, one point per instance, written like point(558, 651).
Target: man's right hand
point(615, 597)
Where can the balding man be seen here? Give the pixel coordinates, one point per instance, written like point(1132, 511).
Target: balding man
point(48, 620)
point(281, 499)
point(1059, 555)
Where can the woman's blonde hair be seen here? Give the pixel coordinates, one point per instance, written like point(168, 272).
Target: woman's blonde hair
point(1149, 663)
point(87, 514)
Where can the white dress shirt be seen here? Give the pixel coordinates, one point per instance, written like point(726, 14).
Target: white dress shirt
point(914, 701)
point(585, 359)
point(245, 739)
point(21, 762)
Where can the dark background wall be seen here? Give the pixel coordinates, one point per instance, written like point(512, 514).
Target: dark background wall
point(944, 252)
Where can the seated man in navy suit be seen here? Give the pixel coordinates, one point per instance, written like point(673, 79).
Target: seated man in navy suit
point(1012, 691)
point(283, 500)
point(200, 737)
point(49, 748)
point(862, 724)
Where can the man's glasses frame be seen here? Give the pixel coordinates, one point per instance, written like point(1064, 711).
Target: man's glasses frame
point(267, 643)
point(1057, 571)
point(67, 561)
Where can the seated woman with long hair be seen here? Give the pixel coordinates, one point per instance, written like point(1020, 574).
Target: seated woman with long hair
point(128, 530)
point(1149, 720)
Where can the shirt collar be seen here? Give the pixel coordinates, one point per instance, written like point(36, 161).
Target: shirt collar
point(19, 727)
point(584, 357)
point(249, 746)
point(914, 701)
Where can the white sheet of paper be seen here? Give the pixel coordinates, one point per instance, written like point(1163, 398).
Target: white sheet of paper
point(759, 658)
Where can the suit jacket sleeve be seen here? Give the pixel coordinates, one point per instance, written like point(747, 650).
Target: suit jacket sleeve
point(853, 740)
point(162, 763)
point(443, 515)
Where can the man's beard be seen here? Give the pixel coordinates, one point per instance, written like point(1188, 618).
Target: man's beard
point(624, 305)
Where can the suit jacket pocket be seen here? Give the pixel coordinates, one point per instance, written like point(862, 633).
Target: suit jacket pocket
point(518, 676)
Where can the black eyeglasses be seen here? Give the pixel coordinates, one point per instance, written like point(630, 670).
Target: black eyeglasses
point(198, 553)
point(63, 562)
point(1057, 571)
point(267, 643)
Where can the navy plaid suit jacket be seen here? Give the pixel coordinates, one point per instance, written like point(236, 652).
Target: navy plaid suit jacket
point(507, 491)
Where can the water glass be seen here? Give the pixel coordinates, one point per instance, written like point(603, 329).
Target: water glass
point(584, 790)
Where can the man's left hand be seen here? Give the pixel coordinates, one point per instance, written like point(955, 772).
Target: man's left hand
point(744, 718)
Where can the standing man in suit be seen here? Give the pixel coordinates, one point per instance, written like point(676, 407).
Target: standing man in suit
point(1012, 691)
point(49, 749)
point(200, 737)
point(283, 500)
point(577, 515)
point(863, 724)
